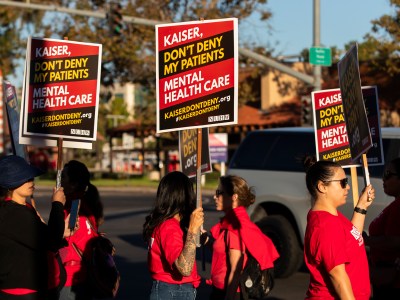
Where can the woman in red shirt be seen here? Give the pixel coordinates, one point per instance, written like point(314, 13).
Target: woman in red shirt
point(233, 237)
point(170, 231)
point(334, 250)
point(75, 179)
point(384, 239)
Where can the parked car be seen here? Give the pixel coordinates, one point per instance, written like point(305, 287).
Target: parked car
point(271, 161)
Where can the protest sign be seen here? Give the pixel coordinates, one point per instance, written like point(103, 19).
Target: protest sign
point(197, 74)
point(358, 131)
point(375, 153)
point(218, 147)
point(13, 116)
point(330, 128)
point(188, 151)
point(61, 90)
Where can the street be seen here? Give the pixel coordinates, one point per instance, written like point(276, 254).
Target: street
point(125, 210)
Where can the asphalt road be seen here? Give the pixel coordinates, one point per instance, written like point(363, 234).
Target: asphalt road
point(125, 212)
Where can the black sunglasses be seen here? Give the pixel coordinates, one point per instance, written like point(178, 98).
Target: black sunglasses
point(218, 193)
point(387, 174)
point(343, 182)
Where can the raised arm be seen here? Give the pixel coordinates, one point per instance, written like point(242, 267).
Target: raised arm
point(363, 203)
point(56, 224)
point(186, 259)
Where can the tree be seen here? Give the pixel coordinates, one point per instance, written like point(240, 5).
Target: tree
point(129, 56)
point(9, 35)
point(379, 56)
point(382, 46)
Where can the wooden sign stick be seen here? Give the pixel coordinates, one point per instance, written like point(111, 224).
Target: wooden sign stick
point(198, 168)
point(354, 185)
point(198, 179)
point(354, 181)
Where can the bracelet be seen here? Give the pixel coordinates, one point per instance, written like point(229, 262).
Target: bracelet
point(360, 210)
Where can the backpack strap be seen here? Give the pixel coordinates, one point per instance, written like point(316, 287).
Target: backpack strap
point(77, 250)
point(243, 290)
point(245, 296)
point(63, 272)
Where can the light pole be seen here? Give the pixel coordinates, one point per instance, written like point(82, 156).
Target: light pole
point(317, 43)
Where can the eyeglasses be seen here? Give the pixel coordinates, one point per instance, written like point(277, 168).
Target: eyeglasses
point(219, 193)
point(387, 174)
point(343, 182)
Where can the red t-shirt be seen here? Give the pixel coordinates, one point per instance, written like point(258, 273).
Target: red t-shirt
point(219, 257)
point(330, 241)
point(75, 269)
point(388, 224)
point(165, 247)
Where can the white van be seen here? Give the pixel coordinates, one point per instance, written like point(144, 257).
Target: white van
point(271, 161)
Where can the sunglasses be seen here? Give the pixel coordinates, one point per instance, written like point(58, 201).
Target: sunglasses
point(218, 193)
point(388, 174)
point(343, 182)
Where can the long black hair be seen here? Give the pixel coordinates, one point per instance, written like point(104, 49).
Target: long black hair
point(175, 195)
point(79, 176)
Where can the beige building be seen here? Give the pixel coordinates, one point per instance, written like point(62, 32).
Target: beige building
point(278, 88)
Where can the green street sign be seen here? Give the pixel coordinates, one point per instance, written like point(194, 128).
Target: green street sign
point(320, 56)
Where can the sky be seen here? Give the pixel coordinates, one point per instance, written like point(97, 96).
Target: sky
point(291, 31)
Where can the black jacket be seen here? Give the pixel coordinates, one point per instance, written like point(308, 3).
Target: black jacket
point(24, 244)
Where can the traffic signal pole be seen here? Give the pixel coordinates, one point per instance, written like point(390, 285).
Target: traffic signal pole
point(141, 21)
point(79, 12)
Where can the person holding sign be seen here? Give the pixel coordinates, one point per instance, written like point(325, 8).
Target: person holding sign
point(75, 179)
point(26, 242)
point(334, 250)
point(170, 230)
point(234, 237)
point(384, 239)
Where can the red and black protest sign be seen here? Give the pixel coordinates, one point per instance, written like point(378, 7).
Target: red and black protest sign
point(330, 128)
point(353, 104)
point(61, 89)
point(197, 74)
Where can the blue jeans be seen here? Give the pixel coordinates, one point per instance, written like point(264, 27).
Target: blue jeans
point(165, 291)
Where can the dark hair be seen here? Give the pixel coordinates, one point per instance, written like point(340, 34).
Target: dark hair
point(322, 170)
point(396, 164)
point(233, 184)
point(79, 175)
point(175, 195)
point(3, 193)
